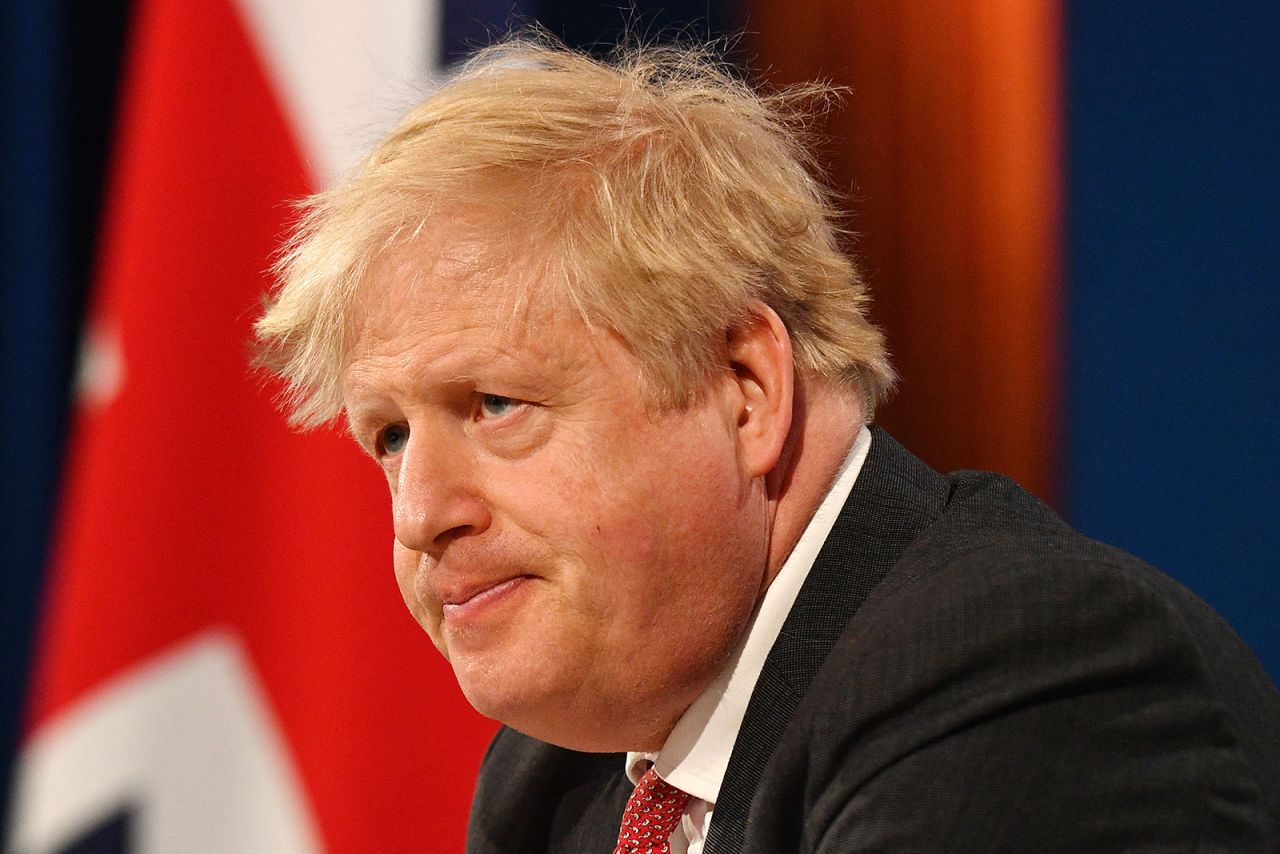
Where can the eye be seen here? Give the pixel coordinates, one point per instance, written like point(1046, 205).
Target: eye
point(496, 406)
point(393, 438)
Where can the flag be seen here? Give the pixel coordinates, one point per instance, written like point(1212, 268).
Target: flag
point(223, 660)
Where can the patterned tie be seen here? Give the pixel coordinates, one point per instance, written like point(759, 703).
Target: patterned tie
point(652, 813)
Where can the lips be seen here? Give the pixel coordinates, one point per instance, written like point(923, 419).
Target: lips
point(471, 592)
point(465, 603)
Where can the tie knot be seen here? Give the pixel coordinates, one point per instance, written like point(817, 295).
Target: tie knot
point(652, 813)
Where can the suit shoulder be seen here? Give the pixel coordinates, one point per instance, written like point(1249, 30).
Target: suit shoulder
point(1002, 569)
point(1005, 654)
point(992, 532)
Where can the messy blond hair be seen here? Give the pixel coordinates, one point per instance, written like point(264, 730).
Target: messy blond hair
point(669, 194)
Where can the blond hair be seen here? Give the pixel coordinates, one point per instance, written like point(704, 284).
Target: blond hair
point(669, 194)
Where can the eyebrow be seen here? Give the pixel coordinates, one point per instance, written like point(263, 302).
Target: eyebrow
point(460, 380)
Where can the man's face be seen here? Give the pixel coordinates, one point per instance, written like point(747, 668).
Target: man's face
point(585, 565)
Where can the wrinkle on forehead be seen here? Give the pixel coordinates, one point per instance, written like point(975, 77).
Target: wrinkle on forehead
point(505, 278)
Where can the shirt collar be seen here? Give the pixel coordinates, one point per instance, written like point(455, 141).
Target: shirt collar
point(696, 754)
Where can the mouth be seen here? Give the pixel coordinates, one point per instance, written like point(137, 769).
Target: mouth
point(468, 604)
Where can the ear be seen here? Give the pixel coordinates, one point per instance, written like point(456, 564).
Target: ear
point(759, 351)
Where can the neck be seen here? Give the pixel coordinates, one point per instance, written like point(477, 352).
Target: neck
point(825, 423)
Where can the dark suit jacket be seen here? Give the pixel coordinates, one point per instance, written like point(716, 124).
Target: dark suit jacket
point(960, 672)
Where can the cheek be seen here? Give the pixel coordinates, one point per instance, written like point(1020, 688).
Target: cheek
point(668, 521)
point(623, 513)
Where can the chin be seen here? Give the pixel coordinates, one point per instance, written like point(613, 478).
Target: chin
point(553, 718)
point(526, 706)
point(499, 693)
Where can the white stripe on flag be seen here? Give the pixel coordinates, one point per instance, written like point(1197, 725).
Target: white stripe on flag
point(345, 71)
point(163, 740)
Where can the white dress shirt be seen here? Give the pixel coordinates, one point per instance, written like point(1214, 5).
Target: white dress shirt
point(696, 753)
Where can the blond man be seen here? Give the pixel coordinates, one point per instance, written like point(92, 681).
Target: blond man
point(593, 322)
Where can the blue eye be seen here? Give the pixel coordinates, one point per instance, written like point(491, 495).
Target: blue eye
point(393, 438)
point(496, 406)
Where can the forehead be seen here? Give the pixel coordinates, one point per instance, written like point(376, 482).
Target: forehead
point(448, 272)
point(460, 304)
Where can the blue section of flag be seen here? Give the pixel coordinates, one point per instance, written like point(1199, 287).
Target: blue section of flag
point(1174, 295)
point(32, 306)
point(115, 834)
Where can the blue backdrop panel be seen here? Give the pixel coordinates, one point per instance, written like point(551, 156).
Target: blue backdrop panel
point(1174, 295)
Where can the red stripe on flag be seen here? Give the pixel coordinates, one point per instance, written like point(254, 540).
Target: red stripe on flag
point(188, 505)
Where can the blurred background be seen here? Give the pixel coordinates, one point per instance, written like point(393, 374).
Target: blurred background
point(1068, 215)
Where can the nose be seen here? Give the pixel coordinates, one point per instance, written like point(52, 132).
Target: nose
point(435, 496)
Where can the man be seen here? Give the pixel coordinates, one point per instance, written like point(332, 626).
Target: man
point(593, 323)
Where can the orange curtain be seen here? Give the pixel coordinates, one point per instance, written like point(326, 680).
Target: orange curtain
point(947, 148)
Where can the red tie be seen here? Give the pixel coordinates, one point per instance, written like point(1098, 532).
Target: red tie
point(652, 813)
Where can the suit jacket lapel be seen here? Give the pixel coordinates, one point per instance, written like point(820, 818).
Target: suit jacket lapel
point(893, 499)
